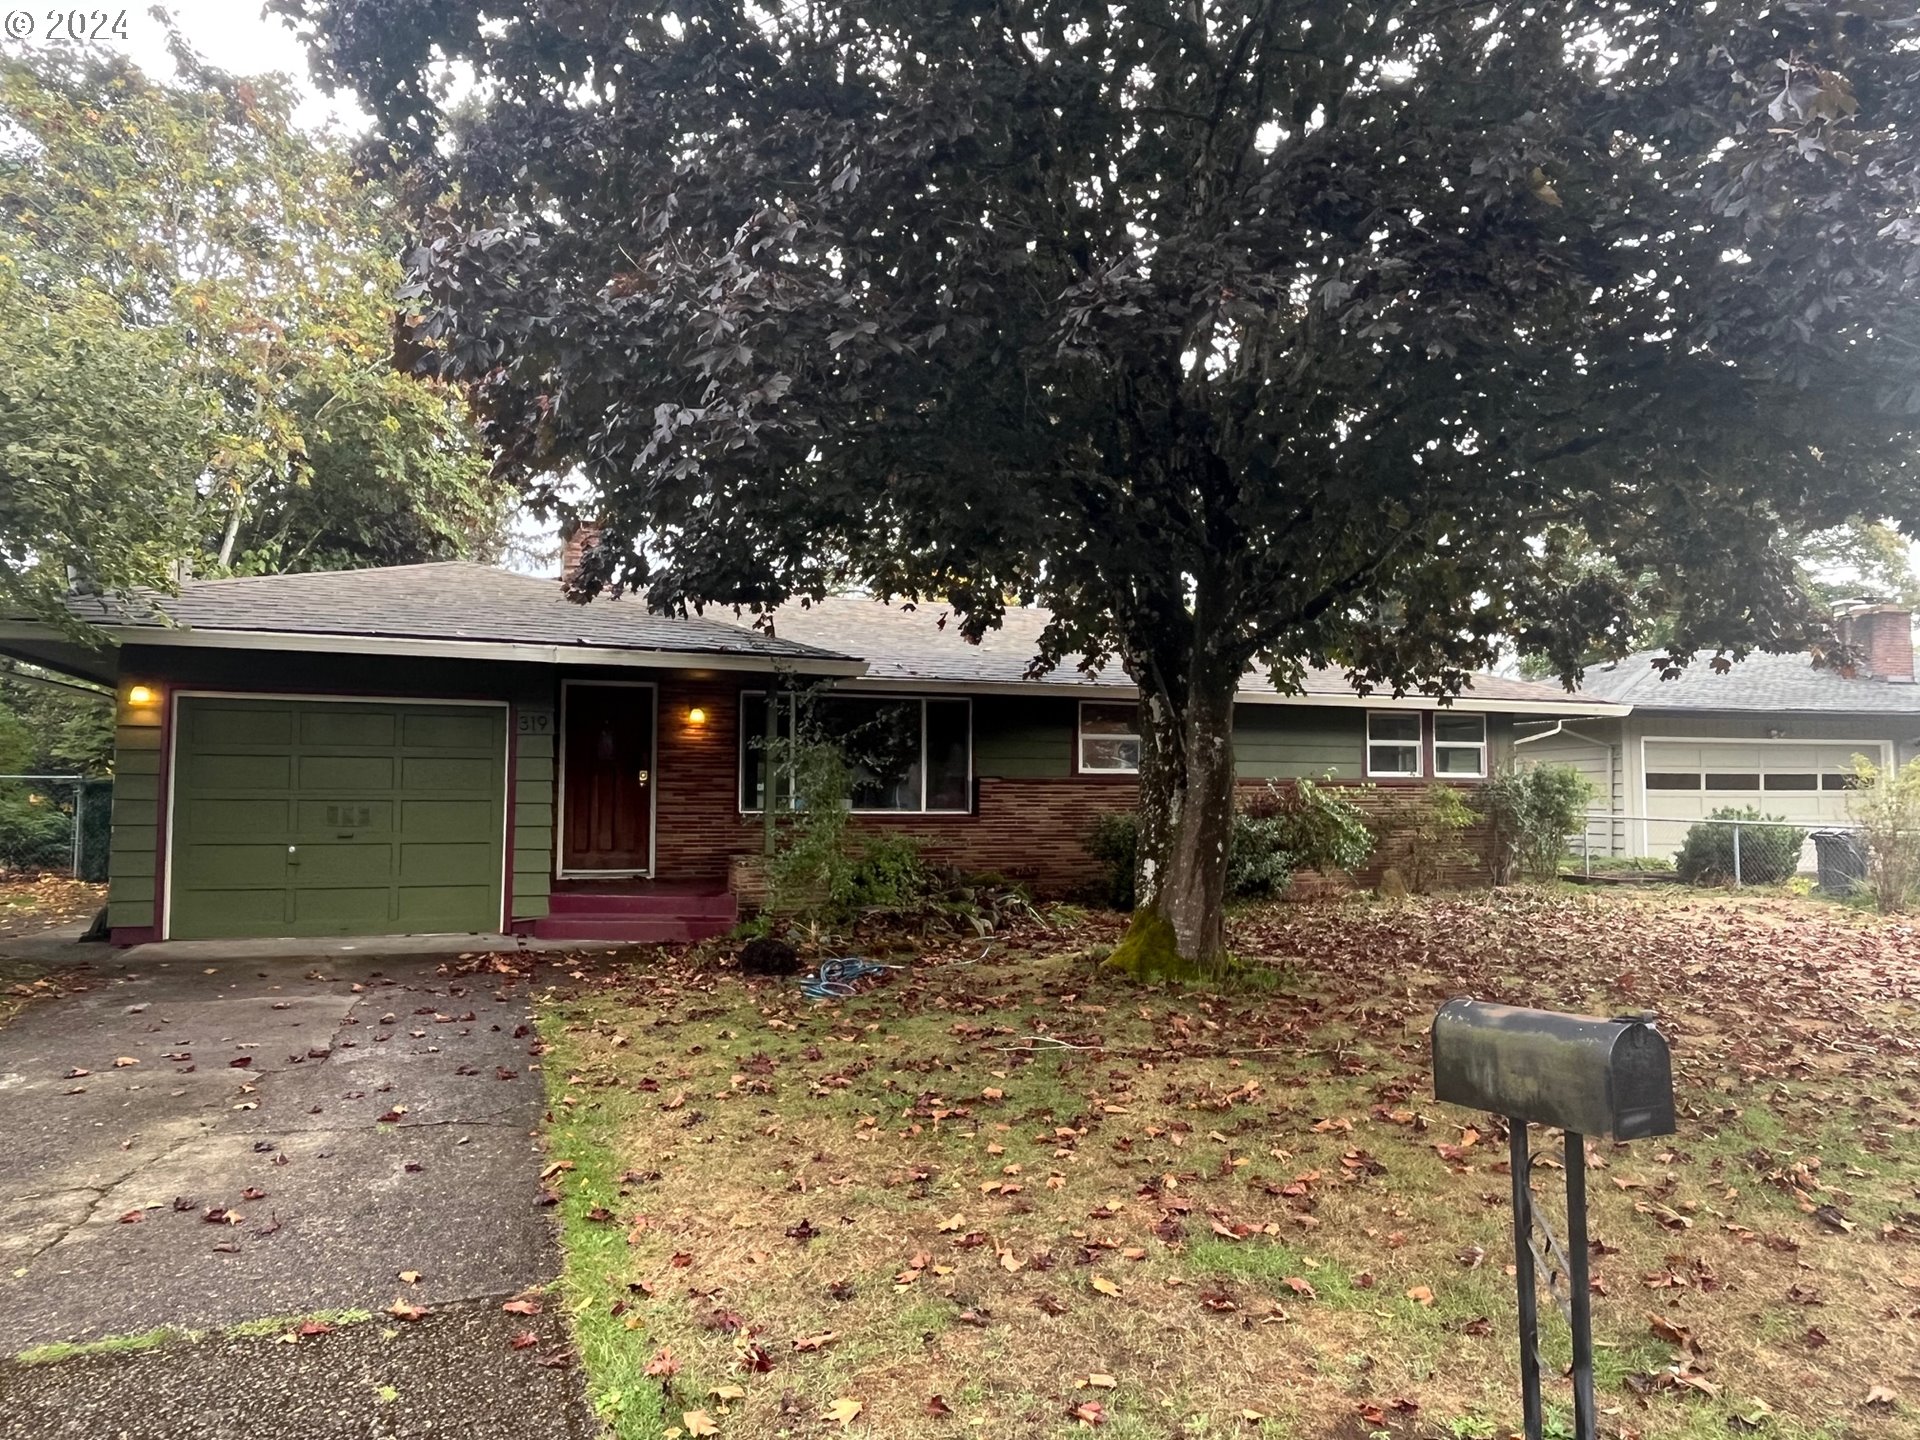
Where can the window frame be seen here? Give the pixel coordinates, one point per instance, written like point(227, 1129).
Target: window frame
point(1419, 743)
point(1080, 766)
point(1479, 746)
point(742, 756)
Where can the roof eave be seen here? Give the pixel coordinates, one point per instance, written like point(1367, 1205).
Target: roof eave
point(522, 651)
point(1098, 690)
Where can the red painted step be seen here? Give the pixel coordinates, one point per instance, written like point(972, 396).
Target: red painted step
point(630, 929)
point(606, 903)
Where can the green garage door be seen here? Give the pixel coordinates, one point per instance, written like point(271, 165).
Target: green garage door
point(309, 817)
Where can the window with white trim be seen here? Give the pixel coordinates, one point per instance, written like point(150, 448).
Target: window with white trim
point(1393, 744)
point(1459, 746)
point(1109, 738)
point(906, 754)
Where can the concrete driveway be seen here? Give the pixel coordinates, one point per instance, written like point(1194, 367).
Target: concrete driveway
point(195, 1142)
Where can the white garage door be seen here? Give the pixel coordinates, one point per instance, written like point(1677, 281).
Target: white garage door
point(1806, 783)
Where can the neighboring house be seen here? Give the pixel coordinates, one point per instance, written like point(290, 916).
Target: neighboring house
point(449, 747)
point(1772, 733)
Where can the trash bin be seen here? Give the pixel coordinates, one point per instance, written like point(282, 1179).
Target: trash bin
point(1842, 859)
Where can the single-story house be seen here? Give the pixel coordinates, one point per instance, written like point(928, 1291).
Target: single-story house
point(1771, 733)
point(450, 747)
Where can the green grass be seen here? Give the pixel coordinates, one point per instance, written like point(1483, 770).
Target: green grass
point(169, 1334)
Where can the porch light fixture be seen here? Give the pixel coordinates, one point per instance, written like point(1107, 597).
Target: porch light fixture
point(696, 716)
point(141, 695)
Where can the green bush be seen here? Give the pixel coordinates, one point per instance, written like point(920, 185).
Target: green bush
point(34, 836)
point(889, 874)
point(1534, 809)
point(1424, 836)
point(1769, 854)
point(1294, 827)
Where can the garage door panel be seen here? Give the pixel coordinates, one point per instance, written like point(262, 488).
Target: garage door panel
point(428, 772)
point(253, 816)
point(215, 770)
point(443, 864)
point(215, 866)
point(446, 819)
point(347, 728)
point(354, 773)
point(321, 818)
point(344, 863)
point(444, 731)
point(234, 722)
point(341, 910)
point(441, 907)
point(394, 813)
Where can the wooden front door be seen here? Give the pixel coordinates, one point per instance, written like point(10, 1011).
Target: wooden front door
point(606, 815)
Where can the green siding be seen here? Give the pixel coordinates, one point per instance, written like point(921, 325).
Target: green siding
point(349, 817)
point(132, 850)
point(1019, 739)
point(533, 811)
point(1288, 742)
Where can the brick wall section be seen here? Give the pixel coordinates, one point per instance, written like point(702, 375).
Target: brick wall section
point(1031, 830)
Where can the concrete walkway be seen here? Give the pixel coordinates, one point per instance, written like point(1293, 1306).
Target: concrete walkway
point(196, 1141)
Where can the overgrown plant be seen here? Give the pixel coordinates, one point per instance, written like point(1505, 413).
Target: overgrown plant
point(1294, 826)
point(1763, 854)
point(1885, 804)
point(1423, 837)
point(1534, 808)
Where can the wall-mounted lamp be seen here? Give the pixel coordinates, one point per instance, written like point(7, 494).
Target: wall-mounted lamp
point(696, 716)
point(141, 695)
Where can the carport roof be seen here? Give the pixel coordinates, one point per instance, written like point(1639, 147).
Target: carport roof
point(455, 602)
point(1759, 682)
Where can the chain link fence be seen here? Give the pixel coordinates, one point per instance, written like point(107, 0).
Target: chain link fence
point(1735, 848)
point(55, 824)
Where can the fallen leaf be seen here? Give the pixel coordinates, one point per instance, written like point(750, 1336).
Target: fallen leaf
point(843, 1411)
point(698, 1422)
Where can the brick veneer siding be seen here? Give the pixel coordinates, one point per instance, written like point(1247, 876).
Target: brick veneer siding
point(1033, 830)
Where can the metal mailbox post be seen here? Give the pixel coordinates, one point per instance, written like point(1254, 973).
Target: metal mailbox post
point(1586, 1075)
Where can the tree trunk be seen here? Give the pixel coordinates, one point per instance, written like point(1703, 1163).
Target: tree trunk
point(1186, 822)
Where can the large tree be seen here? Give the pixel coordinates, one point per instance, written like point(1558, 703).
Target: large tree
point(1242, 333)
point(206, 294)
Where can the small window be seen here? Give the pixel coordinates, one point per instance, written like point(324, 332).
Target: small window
point(1109, 739)
point(1460, 745)
point(1393, 744)
point(1733, 781)
point(1673, 780)
point(1785, 781)
point(1842, 782)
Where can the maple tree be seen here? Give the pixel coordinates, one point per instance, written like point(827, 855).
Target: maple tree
point(1252, 333)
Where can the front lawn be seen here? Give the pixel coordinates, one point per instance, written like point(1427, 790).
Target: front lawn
point(1002, 1195)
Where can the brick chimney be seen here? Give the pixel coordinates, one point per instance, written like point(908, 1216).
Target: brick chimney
point(1884, 636)
point(579, 536)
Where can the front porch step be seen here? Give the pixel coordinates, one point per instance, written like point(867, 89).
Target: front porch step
point(607, 904)
point(630, 929)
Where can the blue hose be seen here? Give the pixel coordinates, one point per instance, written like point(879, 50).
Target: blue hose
point(836, 978)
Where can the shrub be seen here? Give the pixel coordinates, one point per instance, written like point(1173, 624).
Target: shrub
point(1769, 853)
point(1294, 827)
point(1320, 829)
point(1425, 836)
point(1885, 804)
point(889, 874)
point(35, 833)
point(1533, 811)
point(1114, 841)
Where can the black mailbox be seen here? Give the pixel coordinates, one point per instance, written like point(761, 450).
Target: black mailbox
point(1588, 1076)
point(1582, 1073)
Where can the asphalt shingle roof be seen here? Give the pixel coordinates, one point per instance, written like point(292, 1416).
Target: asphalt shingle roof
point(452, 600)
point(901, 642)
point(1759, 682)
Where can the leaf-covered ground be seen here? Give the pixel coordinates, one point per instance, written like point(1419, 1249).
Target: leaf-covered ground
point(999, 1194)
point(33, 902)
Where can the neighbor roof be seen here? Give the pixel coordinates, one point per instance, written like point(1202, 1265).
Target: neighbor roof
point(1759, 682)
point(903, 642)
point(452, 601)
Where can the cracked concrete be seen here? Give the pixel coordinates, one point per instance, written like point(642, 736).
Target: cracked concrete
point(344, 1117)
